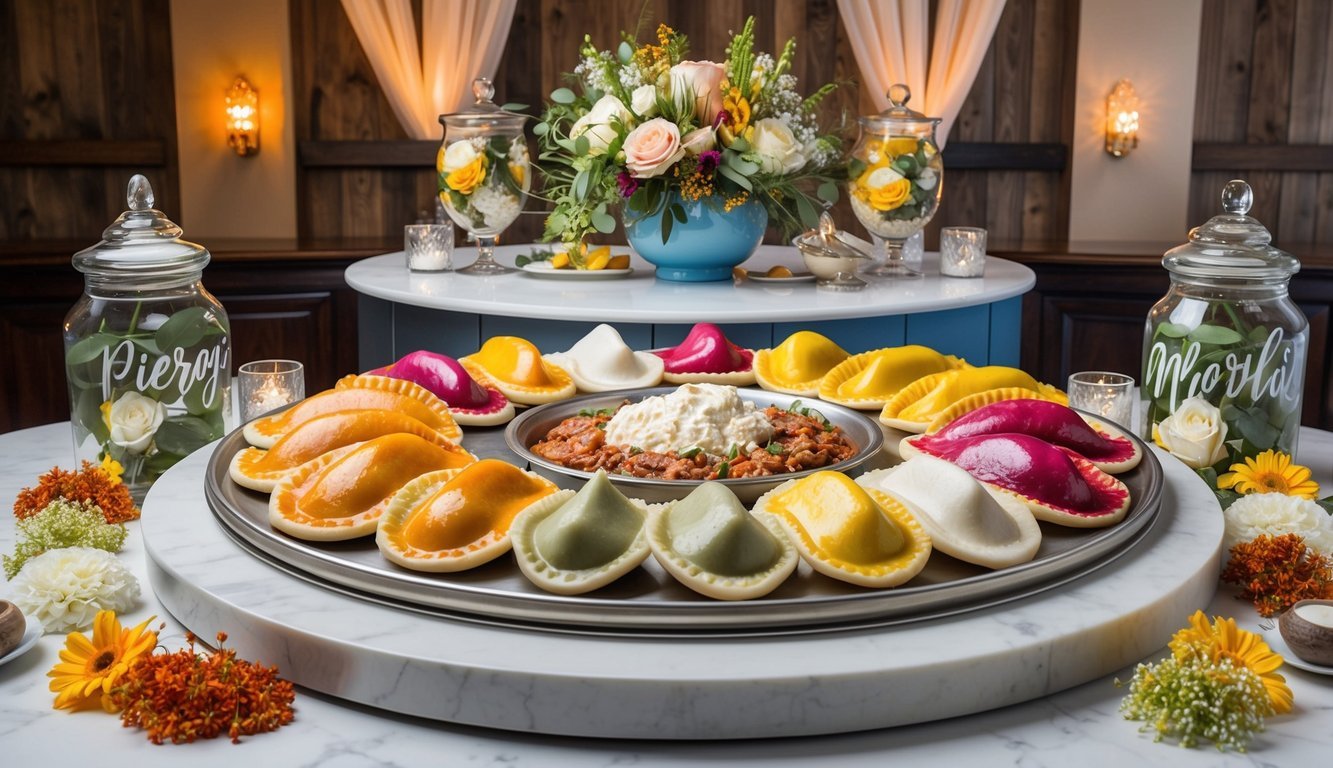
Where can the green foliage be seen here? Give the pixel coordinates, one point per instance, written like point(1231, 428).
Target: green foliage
point(62, 524)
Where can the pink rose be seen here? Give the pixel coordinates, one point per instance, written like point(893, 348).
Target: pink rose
point(705, 79)
point(652, 148)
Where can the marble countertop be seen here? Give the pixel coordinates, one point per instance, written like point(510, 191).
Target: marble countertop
point(641, 298)
point(1080, 724)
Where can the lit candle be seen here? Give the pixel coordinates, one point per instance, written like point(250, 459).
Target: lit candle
point(266, 385)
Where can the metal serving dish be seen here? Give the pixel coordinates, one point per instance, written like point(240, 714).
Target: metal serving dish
point(648, 601)
point(531, 426)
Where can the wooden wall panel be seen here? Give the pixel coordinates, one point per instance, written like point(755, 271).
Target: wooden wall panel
point(1020, 96)
point(82, 71)
point(1266, 79)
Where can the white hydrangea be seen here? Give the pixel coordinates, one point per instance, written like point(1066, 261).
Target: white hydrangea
point(1277, 514)
point(497, 205)
point(65, 588)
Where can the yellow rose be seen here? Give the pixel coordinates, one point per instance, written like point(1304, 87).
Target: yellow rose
point(516, 170)
point(465, 180)
point(900, 145)
point(439, 160)
point(884, 188)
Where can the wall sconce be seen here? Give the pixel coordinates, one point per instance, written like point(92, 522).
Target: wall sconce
point(243, 118)
point(1122, 119)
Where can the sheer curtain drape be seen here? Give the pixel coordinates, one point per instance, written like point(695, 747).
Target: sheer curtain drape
point(461, 39)
point(889, 40)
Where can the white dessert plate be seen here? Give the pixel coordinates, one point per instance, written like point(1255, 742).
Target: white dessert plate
point(544, 269)
point(1274, 639)
point(31, 633)
point(798, 277)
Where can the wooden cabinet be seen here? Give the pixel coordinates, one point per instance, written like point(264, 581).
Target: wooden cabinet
point(283, 302)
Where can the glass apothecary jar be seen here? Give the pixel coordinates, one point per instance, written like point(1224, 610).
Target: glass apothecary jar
point(1224, 351)
point(895, 177)
point(147, 348)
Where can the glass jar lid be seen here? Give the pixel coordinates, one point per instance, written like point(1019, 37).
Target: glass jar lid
point(142, 242)
point(484, 114)
point(899, 119)
point(1232, 244)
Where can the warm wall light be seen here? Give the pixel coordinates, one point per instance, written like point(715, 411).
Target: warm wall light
point(1122, 119)
point(243, 118)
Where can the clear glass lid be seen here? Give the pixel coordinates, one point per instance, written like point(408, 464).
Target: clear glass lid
point(899, 119)
point(484, 114)
point(142, 242)
point(1232, 244)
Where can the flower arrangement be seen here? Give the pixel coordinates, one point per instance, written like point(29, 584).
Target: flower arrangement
point(482, 181)
point(652, 131)
point(1219, 683)
point(893, 184)
point(1276, 572)
point(149, 396)
point(64, 589)
point(63, 523)
point(99, 486)
point(179, 696)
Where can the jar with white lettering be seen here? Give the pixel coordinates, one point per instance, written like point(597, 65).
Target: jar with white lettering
point(147, 348)
point(1224, 350)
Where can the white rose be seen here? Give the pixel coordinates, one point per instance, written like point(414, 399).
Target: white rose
point(927, 179)
point(881, 177)
point(1195, 433)
point(698, 141)
point(1277, 514)
point(134, 420)
point(458, 155)
point(644, 101)
point(775, 148)
point(599, 124)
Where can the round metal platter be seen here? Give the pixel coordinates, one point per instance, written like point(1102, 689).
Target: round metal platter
point(650, 601)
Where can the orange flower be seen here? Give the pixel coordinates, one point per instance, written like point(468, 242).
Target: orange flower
point(88, 669)
point(89, 484)
point(1276, 572)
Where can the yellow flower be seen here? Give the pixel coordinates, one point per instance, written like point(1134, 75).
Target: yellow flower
point(465, 180)
point(105, 408)
point(900, 145)
point(113, 469)
point(737, 108)
point(88, 669)
point(439, 160)
point(516, 171)
point(1270, 472)
point(890, 196)
point(1224, 640)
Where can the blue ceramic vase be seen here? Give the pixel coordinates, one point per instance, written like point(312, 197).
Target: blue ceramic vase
point(706, 246)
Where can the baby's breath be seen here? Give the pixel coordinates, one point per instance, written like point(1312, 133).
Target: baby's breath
point(60, 524)
point(1195, 698)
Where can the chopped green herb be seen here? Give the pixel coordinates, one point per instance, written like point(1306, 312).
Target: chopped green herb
point(795, 407)
point(601, 425)
point(723, 469)
point(590, 413)
point(690, 453)
point(733, 451)
point(775, 449)
point(635, 450)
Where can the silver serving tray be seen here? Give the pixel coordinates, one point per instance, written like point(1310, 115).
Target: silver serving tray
point(648, 601)
point(532, 425)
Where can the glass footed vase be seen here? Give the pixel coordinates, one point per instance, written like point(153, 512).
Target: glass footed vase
point(484, 173)
point(894, 179)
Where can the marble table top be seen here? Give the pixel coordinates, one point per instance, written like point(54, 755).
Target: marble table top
point(641, 298)
point(1080, 724)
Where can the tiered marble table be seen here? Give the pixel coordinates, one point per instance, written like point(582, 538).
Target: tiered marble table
point(400, 311)
point(1077, 725)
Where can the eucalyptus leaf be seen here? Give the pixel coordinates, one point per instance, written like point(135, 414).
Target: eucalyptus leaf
point(828, 192)
point(183, 329)
point(668, 221)
point(513, 106)
point(88, 412)
point(183, 435)
point(743, 166)
point(582, 145)
point(740, 145)
point(1215, 335)
point(89, 349)
point(161, 461)
point(625, 52)
point(1173, 330)
point(581, 184)
point(603, 222)
point(740, 180)
point(809, 216)
point(563, 96)
point(541, 129)
point(678, 211)
point(1326, 503)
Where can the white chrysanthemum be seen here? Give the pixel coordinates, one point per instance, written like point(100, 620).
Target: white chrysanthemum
point(1277, 514)
point(65, 588)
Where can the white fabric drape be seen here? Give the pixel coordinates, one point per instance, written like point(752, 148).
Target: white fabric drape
point(461, 40)
point(889, 40)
